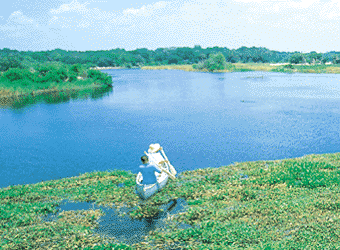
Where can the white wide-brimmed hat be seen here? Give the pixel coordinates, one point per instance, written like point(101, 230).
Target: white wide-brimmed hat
point(154, 147)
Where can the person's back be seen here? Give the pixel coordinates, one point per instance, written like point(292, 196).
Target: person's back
point(148, 171)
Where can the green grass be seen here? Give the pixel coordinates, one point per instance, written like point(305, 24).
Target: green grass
point(243, 67)
point(285, 204)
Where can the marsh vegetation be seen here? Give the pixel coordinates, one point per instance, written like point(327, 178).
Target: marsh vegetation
point(54, 96)
point(284, 204)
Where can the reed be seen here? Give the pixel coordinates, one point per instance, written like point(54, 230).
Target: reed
point(54, 95)
point(12, 91)
point(284, 204)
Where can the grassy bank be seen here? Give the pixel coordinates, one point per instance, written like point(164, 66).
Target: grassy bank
point(50, 77)
point(284, 204)
point(240, 67)
point(55, 95)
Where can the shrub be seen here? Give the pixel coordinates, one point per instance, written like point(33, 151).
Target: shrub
point(18, 74)
point(76, 68)
point(296, 58)
point(93, 74)
point(23, 82)
point(62, 74)
point(51, 73)
point(100, 76)
point(199, 65)
point(72, 78)
point(288, 66)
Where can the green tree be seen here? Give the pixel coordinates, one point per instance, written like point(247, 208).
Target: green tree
point(296, 58)
point(215, 62)
point(10, 61)
point(315, 57)
point(15, 74)
point(336, 59)
point(324, 60)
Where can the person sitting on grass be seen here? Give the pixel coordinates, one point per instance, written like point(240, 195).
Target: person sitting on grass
point(148, 171)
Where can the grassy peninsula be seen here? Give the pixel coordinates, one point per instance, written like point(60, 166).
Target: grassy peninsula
point(284, 204)
point(37, 79)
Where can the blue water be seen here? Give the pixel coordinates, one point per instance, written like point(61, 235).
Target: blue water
point(201, 120)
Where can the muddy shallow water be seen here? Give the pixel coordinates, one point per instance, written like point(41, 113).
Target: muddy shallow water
point(117, 224)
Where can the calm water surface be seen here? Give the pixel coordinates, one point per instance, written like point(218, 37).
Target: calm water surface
point(201, 120)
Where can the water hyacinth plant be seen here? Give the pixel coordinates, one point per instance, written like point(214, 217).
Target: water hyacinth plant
point(283, 204)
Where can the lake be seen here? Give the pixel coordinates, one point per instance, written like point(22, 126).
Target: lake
point(200, 119)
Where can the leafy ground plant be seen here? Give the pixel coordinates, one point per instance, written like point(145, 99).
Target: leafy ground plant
point(284, 204)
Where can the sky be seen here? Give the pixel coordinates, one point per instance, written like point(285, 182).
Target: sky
point(288, 25)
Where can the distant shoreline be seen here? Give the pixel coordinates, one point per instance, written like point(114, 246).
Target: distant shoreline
point(101, 68)
point(243, 67)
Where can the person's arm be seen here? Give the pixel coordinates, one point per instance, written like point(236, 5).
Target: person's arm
point(156, 169)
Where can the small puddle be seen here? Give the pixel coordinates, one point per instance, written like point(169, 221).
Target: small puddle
point(123, 228)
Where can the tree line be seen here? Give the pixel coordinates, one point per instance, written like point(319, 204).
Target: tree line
point(161, 56)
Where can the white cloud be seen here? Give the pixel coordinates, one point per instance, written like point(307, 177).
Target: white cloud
point(230, 23)
point(23, 33)
point(74, 6)
point(19, 17)
point(146, 9)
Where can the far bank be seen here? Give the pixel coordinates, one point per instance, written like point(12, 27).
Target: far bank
point(242, 67)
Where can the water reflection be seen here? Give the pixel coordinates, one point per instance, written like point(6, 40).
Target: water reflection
point(54, 97)
point(118, 225)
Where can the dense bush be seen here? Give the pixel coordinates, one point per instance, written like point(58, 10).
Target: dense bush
point(72, 78)
point(10, 61)
point(214, 62)
point(77, 68)
point(51, 73)
point(17, 74)
point(48, 74)
point(99, 76)
point(296, 58)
